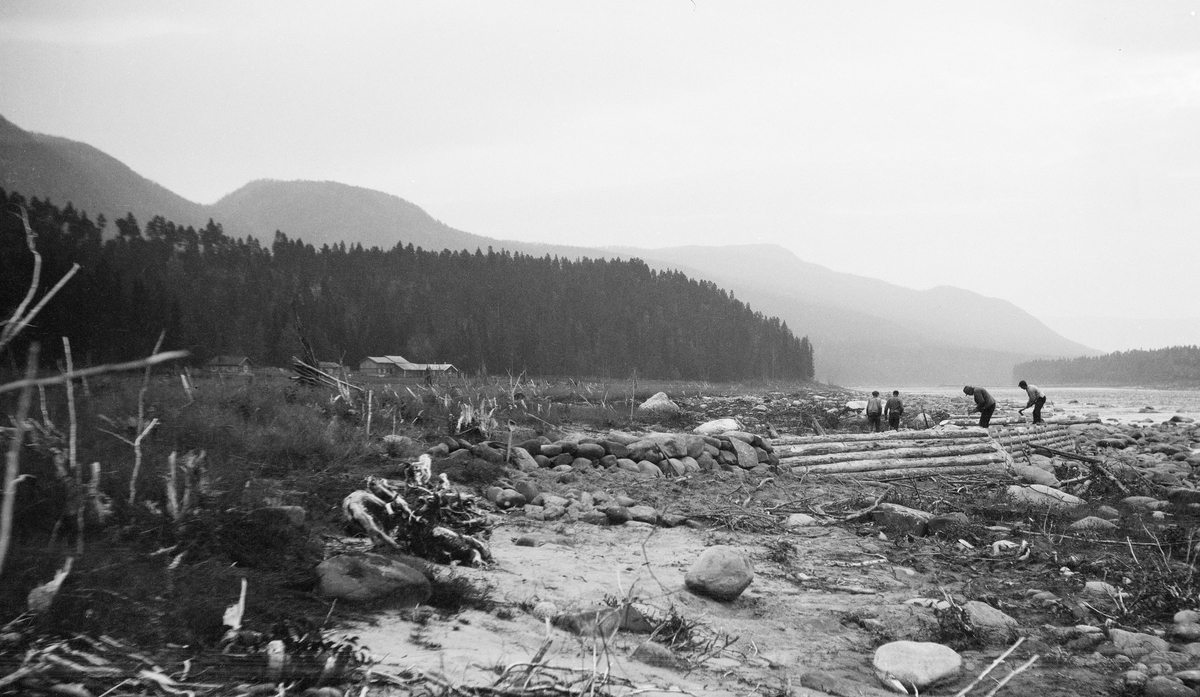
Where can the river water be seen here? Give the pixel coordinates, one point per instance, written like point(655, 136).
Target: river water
point(1123, 404)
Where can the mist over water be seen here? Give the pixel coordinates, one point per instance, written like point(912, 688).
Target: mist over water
point(1124, 404)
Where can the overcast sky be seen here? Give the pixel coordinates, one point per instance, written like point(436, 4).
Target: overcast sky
point(1044, 153)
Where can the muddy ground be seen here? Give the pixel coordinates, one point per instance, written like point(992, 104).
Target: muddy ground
point(825, 594)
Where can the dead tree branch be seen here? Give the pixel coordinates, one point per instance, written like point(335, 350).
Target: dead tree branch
point(13, 459)
point(95, 370)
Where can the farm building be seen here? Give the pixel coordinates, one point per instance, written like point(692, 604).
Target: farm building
point(330, 366)
point(399, 366)
point(230, 364)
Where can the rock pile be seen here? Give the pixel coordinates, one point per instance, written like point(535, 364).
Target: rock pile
point(655, 454)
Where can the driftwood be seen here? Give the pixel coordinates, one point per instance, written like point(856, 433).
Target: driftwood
point(435, 522)
point(887, 435)
point(889, 475)
point(890, 453)
point(807, 449)
point(1052, 452)
point(983, 459)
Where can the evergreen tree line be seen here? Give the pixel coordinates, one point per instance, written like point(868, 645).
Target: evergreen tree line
point(1172, 366)
point(481, 311)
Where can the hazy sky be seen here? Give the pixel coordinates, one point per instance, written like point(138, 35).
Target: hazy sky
point(1045, 153)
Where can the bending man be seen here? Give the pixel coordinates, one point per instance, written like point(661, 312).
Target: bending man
point(984, 404)
point(1037, 400)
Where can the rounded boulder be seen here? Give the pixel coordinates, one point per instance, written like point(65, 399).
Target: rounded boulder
point(721, 572)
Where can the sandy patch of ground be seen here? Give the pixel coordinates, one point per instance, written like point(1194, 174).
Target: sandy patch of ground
point(796, 617)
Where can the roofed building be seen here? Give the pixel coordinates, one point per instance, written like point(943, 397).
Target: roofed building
point(230, 364)
point(400, 366)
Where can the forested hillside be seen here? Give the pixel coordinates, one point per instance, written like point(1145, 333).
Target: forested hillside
point(214, 294)
point(1173, 366)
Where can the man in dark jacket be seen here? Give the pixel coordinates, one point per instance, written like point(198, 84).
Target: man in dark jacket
point(893, 409)
point(874, 412)
point(984, 404)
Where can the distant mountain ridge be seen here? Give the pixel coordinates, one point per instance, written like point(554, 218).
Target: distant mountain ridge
point(865, 331)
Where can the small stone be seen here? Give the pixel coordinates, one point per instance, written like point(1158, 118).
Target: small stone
point(618, 515)
point(672, 520)
point(510, 498)
point(1092, 524)
point(591, 451)
point(594, 517)
point(486, 452)
point(1185, 632)
point(947, 524)
point(657, 407)
point(647, 467)
point(656, 654)
point(799, 520)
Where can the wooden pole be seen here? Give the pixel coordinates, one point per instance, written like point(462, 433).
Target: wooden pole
point(914, 463)
point(13, 459)
point(876, 445)
point(893, 453)
point(890, 435)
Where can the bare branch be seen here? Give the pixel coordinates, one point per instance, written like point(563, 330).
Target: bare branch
point(20, 318)
point(13, 460)
point(96, 370)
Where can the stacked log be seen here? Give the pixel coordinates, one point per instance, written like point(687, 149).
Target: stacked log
point(1019, 439)
point(892, 454)
point(1016, 435)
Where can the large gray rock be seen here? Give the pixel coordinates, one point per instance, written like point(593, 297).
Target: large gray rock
point(830, 683)
point(916, 664)
point(1164, 686)
point(1031, 474)
point(717, 426)
point(746, 457)
point(523, 461)
point(991, 625)
point(1040, 495)
point(1136, 644)
point(902, 520)
point(365, 577)
point(643, 514)
point(657, 407)
point(677, 444)
point(721, 572)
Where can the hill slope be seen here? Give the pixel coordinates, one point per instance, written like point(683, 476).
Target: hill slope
point(65, 171)
point(329, 212)
point(865, 331)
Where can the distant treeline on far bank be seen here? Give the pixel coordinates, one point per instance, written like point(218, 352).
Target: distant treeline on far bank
point(1166, 367)
point(494, 311)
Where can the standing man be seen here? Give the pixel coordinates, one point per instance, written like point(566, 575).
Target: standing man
point(874, 412)
point(984, 404)
point(893, 410)
point(1037, 400)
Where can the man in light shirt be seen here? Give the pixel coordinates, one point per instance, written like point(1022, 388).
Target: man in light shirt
point(1037, 400)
